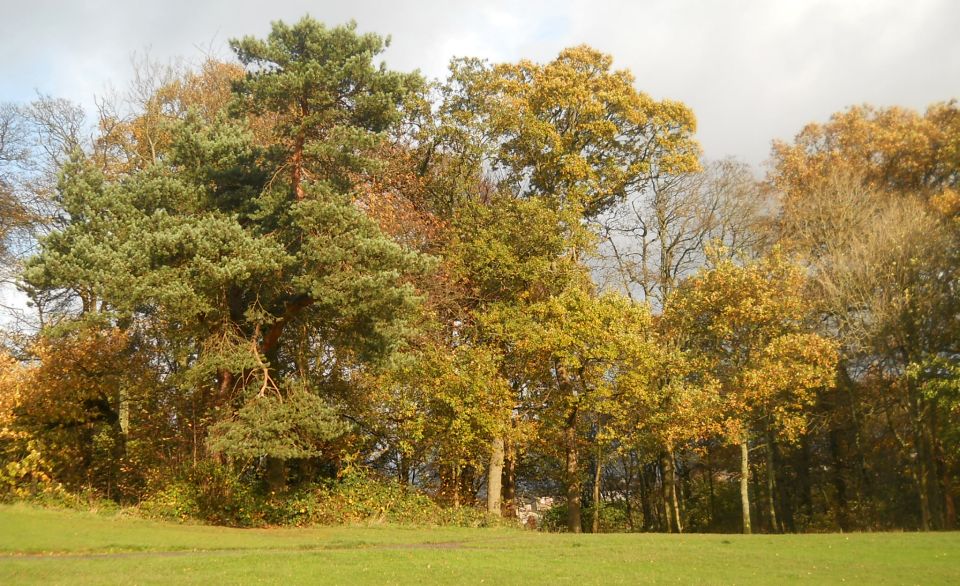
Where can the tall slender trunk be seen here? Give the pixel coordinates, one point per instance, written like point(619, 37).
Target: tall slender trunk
point(784, 497)
point(627, 462)
point(296, 172)
point(745, 485)
point(597, 471)
point(667, 490)
point(864, 483)
point(922, 473)
point(675, 501)
point(627, 493)
point(949, 505)
point(123, 411)
point(803, 479)
point(455, 486)
point(923, 490)
point(296, 160)
point(771, 484)
point(931, 448)
point(495, 477)
point(713, 493)
point(572, 473)
point(839, 483)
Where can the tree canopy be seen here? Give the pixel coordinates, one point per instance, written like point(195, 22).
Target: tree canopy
point(266, 283)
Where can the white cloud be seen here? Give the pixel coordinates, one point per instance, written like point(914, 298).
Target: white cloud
point(752, 70)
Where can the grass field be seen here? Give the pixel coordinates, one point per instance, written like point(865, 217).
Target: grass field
point(61, 547)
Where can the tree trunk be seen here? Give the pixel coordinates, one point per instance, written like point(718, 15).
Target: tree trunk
point(572, 473)
point(669, 492)
point(495, 477)
point(771, 485)
point(922, 473)
point(864, 482)
point(509, 482)
point(923, 490)
point(949, 506)
point(784, 496)
point(455, 486)
point(840, 485)
point(123, 411)
point(675, 501)
point(226, 386)
point(403, 469)
point(931, 448)
point(745, 486)
point(296, 171)
point(713, 493)
point(803, 479)
point(597, 470)
point(276, 474)
point(627, 493)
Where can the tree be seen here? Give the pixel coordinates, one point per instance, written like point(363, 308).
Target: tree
point(867, 204)
point(660, 235)
point(442, 403)
point(750, 323)
point(507, 256)
point(327, 97)
point(75, 406)
point(572, 134)
point(664, 399)
point(572, 345)
point(577, 130)
point(233, 253)
point(884, 267)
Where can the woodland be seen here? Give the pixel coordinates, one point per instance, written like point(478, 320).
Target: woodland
point(297, 286)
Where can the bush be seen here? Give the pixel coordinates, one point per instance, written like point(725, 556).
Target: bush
point(25, 475)
point(210, 492)
point(360, 498)
point(213, 493)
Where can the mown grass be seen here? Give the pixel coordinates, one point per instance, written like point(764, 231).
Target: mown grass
point(63, 547)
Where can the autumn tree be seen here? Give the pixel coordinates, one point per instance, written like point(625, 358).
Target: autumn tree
point(884, 268)
point(80, 406)
point(751, 322)
point(573, 134)
point(895, 149)
point(663, 400)
point(573, 345)
point(866, 205)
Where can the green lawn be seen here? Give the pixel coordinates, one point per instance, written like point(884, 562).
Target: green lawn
point(60, 547)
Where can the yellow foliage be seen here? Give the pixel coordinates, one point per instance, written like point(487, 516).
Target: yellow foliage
point(749, 325)
point(10, 396)
point(578, 130)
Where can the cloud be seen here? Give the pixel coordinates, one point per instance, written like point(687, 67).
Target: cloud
point(752, 70)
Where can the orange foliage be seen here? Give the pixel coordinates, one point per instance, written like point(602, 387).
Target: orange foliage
point(895, 149)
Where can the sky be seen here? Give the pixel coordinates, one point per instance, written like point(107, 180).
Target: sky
point(751, 70)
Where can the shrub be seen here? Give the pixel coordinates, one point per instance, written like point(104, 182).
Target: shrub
point(214, 493)
point(209, 492)
point(361, 498)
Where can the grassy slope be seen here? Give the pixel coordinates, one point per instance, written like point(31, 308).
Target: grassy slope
point(59, 547)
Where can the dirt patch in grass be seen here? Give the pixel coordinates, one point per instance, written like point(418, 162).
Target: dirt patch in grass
point(221, 552)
